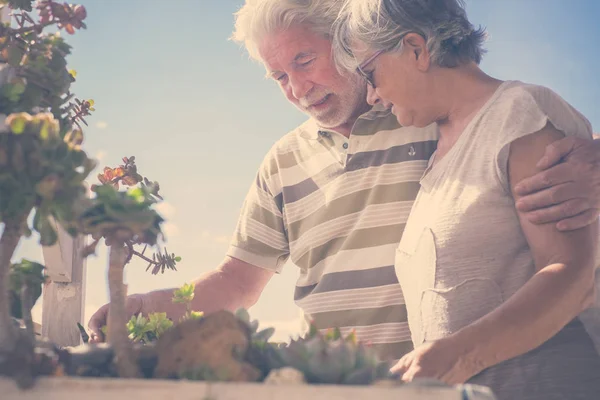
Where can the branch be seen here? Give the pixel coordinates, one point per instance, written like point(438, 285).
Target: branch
point(143, 257)
point(27, 29)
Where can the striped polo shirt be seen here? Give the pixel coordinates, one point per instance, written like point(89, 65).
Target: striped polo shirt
point(336, 207)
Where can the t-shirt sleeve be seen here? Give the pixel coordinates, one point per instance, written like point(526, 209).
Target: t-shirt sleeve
point(527, 109)
point(260, 237)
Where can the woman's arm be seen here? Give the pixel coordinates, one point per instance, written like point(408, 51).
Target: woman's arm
point(562, 287)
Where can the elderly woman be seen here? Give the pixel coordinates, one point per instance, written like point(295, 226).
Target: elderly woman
point(491, 298)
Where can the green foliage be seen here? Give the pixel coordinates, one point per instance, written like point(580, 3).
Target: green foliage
point(185, 295)
point(28, 273)
point(38, 74)
point(147, 330)
point(126, 175)
point(39, 169)
point(158, 324)
point(323, 357)
point(330, 358)
point(19, 4)
point(137, 327)
point(121, 216)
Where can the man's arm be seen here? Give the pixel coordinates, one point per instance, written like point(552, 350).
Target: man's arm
point(234, 284)
point(566, 190)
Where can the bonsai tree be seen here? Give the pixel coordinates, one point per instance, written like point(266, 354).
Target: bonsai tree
point(125, 219)
point(43, 170)
point(26, 280)
point(42, 166)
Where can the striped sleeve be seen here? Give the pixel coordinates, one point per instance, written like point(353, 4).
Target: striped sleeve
point(260, 236)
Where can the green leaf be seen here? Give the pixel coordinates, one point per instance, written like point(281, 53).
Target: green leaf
point(14, 55)
point(242, 314)
point(25, 5)
point(138, 327)
point(184, 294)
point(196, 314)
point(18, 124)
point(48, 236)
point(264, 335)
point(158, 323)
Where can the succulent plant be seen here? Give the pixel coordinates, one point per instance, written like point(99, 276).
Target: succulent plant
point(329, 358)
point(323, 357)
point(24, 273)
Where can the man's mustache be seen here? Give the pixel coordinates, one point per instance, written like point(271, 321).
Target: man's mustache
point(307, 102)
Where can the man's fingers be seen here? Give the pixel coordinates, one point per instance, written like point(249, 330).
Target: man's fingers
point(96, 322)
point(95, 338)
point(579, 221)
point(558, 212)
point(548, 197)
point(544, 179)
point(556, 151)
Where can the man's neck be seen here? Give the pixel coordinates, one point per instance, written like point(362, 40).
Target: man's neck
point(346, 128)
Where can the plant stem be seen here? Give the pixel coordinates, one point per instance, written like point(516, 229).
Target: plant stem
point(8, 243)
point(143, 257)
point(26, 307)
point(117, 317)
point(26, 29)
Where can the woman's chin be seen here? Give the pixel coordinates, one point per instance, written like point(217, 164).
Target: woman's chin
point(403, 120)
point(409, 120)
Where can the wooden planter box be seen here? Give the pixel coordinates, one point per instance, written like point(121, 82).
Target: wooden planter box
point(127, 389)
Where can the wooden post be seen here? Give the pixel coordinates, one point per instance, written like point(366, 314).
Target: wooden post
point(64, 294)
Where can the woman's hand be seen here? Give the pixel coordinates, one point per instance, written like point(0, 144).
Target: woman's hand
point(443, 360)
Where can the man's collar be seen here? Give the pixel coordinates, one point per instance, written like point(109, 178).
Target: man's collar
point(311, 129)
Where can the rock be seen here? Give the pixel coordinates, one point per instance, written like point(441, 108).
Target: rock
point(147, 358)
point(285, 376)
point(210, 348)
point(19, 363)
point(90, 360)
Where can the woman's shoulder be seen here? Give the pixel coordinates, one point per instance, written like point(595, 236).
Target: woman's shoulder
point(526, 106)
point(522, 109)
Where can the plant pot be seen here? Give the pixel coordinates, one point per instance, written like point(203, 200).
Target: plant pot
point(61, 388)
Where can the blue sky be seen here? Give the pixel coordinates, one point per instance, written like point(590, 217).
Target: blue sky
point(171, 89)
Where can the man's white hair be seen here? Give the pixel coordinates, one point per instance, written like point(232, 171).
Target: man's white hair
point(258, 18)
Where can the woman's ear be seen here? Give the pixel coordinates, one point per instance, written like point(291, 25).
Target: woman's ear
point(417, 47)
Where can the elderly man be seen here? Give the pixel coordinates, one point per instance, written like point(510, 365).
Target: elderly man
point(333, 195)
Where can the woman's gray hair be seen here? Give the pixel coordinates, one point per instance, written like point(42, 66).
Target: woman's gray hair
point(258, 18)
point(381, 25)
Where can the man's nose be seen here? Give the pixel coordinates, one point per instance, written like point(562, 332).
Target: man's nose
point(372, 96)
point(300, 85)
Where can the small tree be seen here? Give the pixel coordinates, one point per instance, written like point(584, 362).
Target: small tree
point(42, 166)
point(43, 171)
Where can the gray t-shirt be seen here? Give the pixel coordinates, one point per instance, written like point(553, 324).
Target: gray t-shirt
point(463, 252)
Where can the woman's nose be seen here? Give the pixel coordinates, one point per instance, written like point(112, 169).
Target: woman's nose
point(372, 97)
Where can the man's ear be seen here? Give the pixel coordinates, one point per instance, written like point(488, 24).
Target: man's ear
point(416, 45)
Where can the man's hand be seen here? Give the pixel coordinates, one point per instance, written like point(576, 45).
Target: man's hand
point(133, 306)
point(441, 360)
point(567, 188)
